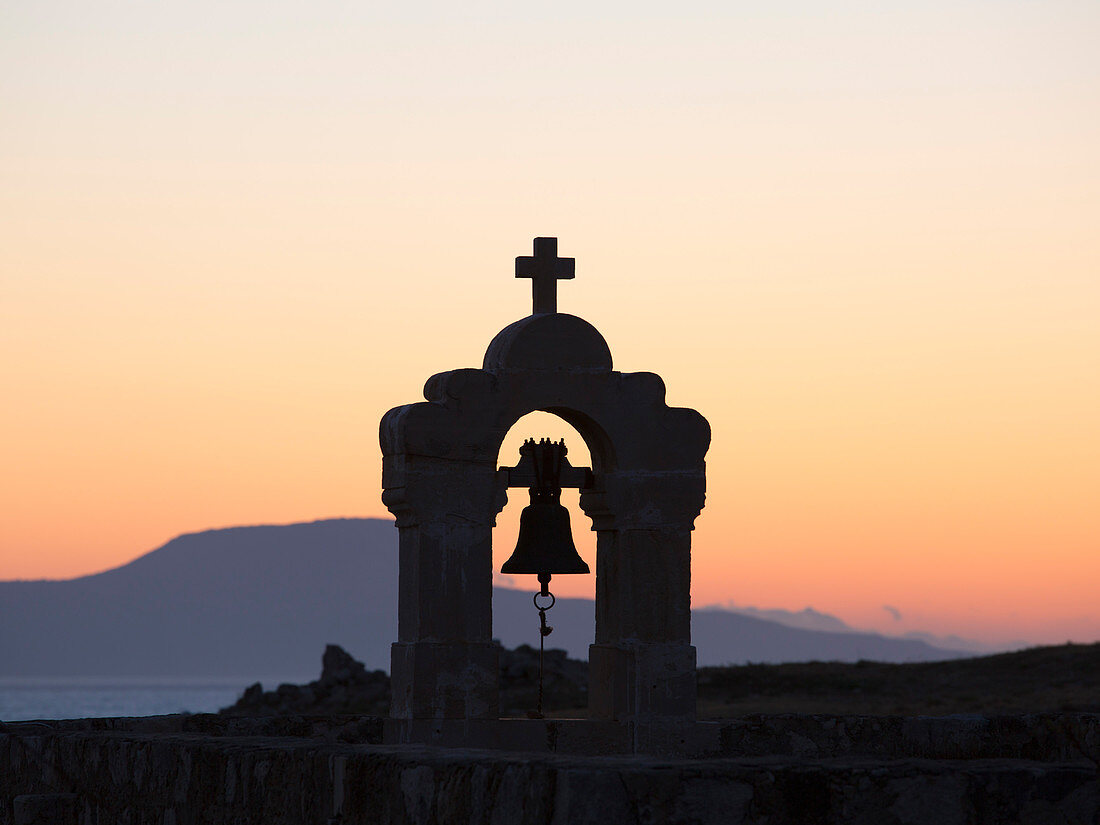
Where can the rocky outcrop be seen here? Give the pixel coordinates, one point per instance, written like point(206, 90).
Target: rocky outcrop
point(346, 687)
point(565, 682)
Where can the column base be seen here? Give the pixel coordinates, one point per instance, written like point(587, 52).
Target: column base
point(445, 680)
point(641, 682)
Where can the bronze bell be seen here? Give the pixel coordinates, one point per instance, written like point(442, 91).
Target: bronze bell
point(545, 545)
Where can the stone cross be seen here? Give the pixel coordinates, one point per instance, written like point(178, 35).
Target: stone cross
point(545, 269)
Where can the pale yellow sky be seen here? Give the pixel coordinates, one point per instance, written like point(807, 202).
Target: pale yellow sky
point(860, 238)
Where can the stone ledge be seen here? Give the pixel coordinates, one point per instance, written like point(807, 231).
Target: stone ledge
point(179, 778)
point(362, 729)
point(1053, 737)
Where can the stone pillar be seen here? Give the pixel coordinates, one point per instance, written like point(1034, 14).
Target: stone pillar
point(642, 666)
point(445, 664)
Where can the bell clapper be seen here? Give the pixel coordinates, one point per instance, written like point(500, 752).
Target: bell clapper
point(544, 631)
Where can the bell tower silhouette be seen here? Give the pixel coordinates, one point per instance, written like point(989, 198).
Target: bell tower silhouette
point(642, 494)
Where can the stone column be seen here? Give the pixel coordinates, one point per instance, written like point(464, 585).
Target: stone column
point(445, 664)
point(642, 666)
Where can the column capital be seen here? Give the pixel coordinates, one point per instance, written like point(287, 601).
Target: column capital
point(420, 490)
point(669, 500)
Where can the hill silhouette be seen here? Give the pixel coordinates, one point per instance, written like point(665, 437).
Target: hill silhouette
point(259, 602)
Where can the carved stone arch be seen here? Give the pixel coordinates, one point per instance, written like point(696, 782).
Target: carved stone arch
point(440, 480)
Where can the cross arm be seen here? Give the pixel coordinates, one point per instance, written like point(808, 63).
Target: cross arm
point(532, 266)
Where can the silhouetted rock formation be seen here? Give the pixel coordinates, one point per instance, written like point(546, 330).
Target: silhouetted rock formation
point(347, 687)
point(565, 682)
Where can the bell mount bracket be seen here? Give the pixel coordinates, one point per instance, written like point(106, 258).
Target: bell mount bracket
point(537, 468)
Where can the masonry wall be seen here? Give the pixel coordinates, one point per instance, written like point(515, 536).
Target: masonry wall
point(257, 774)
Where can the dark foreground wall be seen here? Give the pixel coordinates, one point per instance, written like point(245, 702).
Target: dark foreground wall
point(176, 771)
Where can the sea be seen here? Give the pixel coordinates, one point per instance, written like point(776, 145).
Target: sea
point(24, 699)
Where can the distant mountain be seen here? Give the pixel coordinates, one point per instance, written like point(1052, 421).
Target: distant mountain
point(262, 601)
point(954, 642)
point(805, 619)
point(810, 619)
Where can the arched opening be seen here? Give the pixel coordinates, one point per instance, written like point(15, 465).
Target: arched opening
point(515, 619)
point(539, 425)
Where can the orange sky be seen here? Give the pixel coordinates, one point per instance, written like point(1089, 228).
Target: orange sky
point(862, 242)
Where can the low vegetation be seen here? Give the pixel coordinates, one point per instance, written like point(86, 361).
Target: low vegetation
point(1062, 678)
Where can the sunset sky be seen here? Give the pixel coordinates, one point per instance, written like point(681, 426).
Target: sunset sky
point(863, 239)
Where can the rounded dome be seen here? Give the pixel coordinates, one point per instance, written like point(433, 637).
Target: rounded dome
point(552, 341)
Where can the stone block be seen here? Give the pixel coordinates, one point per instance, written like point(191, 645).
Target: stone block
point(445, 680)
point(641, 682)
point(643, 587)
point(562, 736)
point(45, 809)
point(445, 583)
